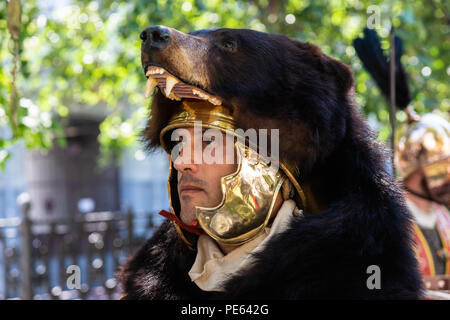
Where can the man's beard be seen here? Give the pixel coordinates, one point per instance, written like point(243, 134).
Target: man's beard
point(187, 212)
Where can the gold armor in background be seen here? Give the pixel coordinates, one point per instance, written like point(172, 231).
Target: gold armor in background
point(425, 144)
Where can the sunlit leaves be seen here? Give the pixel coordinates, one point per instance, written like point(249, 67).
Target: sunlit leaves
point(87, 54)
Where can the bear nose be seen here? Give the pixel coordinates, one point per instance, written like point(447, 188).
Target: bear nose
point(156, 37)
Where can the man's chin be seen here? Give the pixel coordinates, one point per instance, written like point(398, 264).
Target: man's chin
point(189, 218)
point(188, 205)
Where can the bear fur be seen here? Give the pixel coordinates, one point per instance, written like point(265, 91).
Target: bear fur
point(273, 81)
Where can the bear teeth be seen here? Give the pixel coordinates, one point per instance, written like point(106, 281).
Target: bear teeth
point(205, 96)
point(170, 83)
point(214, 101)
point(151, 83)
point(200, 94)
point(154, 70)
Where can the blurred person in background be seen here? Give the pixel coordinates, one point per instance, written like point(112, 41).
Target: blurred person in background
point(422, 155)
point(422, 159)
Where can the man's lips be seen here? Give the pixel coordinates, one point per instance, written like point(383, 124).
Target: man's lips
point(189, 189)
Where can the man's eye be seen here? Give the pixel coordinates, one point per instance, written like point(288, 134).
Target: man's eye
point(208, 142)
point(178, 142)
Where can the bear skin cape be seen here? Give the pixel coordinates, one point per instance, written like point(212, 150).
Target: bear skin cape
point(325, 255)
point(362, 218)
point(318, 257)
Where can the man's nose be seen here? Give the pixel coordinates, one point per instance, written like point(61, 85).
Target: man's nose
point(157, 37)
point(186, 161)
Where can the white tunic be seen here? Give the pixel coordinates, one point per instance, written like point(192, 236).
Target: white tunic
point(211, 267)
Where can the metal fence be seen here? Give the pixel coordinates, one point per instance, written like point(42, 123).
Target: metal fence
point(41, 259)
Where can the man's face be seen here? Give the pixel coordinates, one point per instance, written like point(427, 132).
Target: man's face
point(199, 184)
point(432, 182)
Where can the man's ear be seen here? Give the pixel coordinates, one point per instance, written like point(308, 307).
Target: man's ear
point(340, 71)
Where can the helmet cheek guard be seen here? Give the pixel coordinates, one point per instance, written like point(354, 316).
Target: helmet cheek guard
point(248, 198)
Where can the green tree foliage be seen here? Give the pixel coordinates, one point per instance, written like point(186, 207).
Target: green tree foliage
point(84, 57)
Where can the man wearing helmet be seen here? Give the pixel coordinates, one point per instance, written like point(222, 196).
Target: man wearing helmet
point(234, 202)
point(423, 161)
point(306, 210)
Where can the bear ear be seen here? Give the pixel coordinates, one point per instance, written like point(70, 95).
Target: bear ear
point(337, 70)
point(340, 71)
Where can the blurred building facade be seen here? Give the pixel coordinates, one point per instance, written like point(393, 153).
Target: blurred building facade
point(66, 183)
point(59, 179)
point(12, 182)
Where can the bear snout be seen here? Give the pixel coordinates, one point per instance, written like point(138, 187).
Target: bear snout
point(157, 37)
point(180, 54)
